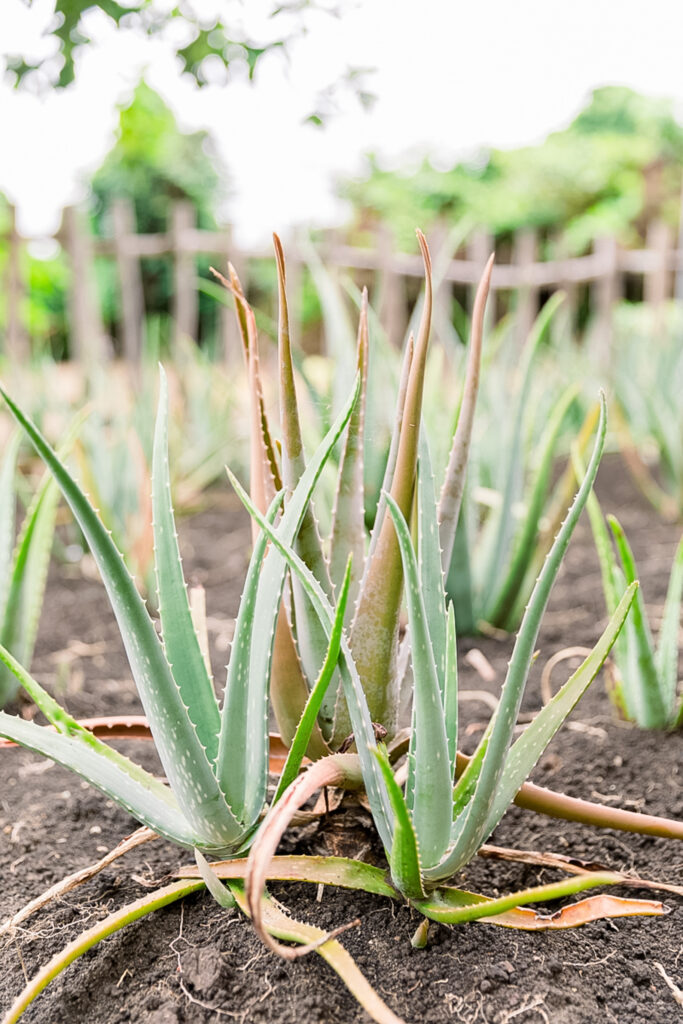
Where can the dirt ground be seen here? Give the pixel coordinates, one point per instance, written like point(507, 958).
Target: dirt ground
point(194, 963)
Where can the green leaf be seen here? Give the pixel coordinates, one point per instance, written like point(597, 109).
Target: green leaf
point(197, 791)
point(526, 751)
point(503, 604)
point(504, 533)
point(181, 642)
point(470, 826)
point(641, 679)
point(86, 760)
point(245, 709)
point(404, 856)
point(353, 689)
point(304, 730)
point(8, 500)
point(430, 783)
point(666, 658)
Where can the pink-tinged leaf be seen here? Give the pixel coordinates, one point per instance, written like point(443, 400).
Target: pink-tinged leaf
point(348, 530)
point(265, 478)
point(375, 626)
point(454, 482)
point(336, 770)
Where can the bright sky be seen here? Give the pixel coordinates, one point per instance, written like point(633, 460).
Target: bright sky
point(450, 77)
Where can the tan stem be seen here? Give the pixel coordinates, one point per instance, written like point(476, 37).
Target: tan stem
point(336, 770)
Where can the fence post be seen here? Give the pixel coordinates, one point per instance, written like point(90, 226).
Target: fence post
point(391, 301)
point(524, 255)
point(130, 280)
point(16, 339)
point(564, 322)
point(441, 308)
point(479, 247)
point(88, 343)
point(185, 302)
point(230, 334)
point(607, 289)
point(657, 283)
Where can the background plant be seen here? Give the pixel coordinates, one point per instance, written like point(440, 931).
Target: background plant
point(644, 678)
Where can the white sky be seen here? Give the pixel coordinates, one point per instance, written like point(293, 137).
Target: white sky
point(451, 76)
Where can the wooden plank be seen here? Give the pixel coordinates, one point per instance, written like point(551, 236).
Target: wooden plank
point(657, 285)
point(87, 342)
point(185, 299)
point(16, 336)
point(391, 302)
point(563, 326)
point(606, 293)
point(526, 306)
point(479, 247)
point(130, 280)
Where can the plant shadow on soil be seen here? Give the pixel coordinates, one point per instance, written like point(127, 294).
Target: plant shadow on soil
point(194, 963)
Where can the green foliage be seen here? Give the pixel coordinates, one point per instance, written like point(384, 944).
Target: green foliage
point(644, 679)
point(150, 18)
point(647, 378)
point(23, 564)
point(586, 180)
point(153, 164)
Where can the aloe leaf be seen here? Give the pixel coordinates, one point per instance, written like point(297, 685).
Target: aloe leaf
point(454, 481)
point(27, 581)
point(404, 856)
point(245, 709)
point(459, 582)
point(236, 699)
point(431, 580)
point(526, 751)
point(348, 521)
point(666, 658)
point(641, 679)
point(393, 449)
point(310, 640)
point(451, 691)
point(470, 827)
point(221, 893)
point(430, 782)
point(86, 940)
point(375, 625)
point(353, 689)
point(502, 606)
point(7, 515)
point(338, 871)
point(288, 687)
point(505, 521)
point(264, 475)
point(310, 713)
point(174, 733)
point(181, 642)
point(65, 724)
point(86, 760)
point(453, 906)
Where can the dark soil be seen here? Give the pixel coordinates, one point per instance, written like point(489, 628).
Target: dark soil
point(194, 962)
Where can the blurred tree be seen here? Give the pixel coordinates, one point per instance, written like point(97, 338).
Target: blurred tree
point(617, 164)
point(153, 164)
point(214, 43)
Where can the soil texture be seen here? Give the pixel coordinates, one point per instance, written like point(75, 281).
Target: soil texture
point(194, 963)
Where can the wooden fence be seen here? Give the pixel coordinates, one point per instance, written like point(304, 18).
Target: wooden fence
point(524, 276)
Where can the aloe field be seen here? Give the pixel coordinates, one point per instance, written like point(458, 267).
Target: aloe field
point(446, 583)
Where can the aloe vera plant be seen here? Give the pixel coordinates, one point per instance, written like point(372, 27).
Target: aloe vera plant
point(644, 679)
point(23, 564)
point(501, 537)
point(318, 625)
